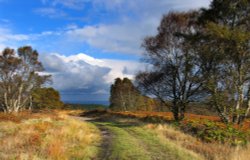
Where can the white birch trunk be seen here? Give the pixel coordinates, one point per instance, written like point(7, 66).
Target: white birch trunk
point(239, 103)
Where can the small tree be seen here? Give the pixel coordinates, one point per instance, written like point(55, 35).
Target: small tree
point(19, 76)
point(125, 97)
point(46, 98)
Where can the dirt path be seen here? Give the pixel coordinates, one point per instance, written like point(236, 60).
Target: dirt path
point(107, 136)
point(122, 140)
point(105, 147)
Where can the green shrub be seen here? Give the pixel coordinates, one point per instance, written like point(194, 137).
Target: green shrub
point(210, 131)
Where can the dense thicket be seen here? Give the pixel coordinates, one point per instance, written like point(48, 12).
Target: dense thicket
point(202, 55)
point(19, 76)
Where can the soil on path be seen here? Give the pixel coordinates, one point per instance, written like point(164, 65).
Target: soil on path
point(107, 136)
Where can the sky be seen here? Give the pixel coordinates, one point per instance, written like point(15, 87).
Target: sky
point(86, 44)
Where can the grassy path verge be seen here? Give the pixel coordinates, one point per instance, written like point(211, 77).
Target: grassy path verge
point(128, 141)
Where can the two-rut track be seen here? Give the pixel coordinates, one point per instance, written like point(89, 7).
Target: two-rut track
point(122, 140)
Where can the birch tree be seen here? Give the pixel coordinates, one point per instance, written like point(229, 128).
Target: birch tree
point(224, 49)
point(19, 76)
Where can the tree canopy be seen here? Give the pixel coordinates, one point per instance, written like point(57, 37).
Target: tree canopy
point(19, 76)
point(174, 75)
point(125, 97)
point(223, 47)
point(46, 98)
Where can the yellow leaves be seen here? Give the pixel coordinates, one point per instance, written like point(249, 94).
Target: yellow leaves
point(227, 33)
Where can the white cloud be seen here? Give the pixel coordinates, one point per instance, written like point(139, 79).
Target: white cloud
point(10, 39)
point(119, 26)
point(82, 73)
point(7, 35)
point(134, 22)
point(122, 38)
point(152, 6)
point(14, 40)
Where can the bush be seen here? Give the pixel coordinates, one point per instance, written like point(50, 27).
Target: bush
point(46, 98)
point(210, 131)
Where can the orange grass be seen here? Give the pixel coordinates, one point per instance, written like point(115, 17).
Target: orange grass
point(52, 136)
point(188, 117)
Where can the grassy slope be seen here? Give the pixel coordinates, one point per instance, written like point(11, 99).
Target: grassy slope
point(132, 142)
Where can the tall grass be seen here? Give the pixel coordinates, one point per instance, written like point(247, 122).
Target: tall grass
point(48, 137)
point(209, 151)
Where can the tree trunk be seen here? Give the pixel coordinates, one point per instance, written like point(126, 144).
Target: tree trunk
point(8, 109)
point(182, 111)
point(248, 107)
point(18, 105)
point(215, 104)
point(30, 104)
point(240, 100)
point(175, 111)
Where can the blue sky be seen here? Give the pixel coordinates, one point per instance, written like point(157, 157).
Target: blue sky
point(85, 44)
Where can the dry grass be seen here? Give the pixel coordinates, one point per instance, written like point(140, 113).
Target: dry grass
point(46, 136)
point(207, 128)
point(166, 115)
point(210, 151)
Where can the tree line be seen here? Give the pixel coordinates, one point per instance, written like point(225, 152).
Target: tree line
point(201, 55)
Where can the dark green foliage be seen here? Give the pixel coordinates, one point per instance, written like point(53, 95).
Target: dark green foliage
point(46, 98)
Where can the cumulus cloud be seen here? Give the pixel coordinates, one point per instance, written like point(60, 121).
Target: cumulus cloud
point(134, 23)
point(117, 26)
point(123, 38)
point(82, 74)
